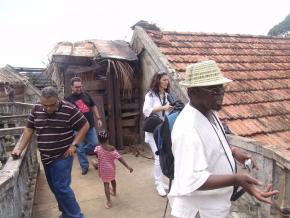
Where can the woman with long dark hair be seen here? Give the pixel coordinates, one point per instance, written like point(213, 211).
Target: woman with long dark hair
point(156, 102)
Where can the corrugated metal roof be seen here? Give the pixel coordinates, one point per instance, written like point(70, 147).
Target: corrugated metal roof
point(94, 49)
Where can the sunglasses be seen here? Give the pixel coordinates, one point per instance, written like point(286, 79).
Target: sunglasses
point(214, 91)
point(50, 105)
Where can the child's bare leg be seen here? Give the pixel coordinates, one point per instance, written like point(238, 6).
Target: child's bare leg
point(108, 203)
point(114, 186)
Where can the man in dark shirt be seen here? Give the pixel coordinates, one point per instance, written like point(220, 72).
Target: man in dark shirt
point(86, 105)
point(55, 123)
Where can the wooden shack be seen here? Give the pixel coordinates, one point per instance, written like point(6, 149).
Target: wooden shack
point(110, 75)
point(7, 74)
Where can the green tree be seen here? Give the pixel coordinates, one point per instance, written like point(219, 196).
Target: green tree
point(281, 29)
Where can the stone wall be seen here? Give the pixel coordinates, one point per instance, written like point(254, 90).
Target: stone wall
point(17, 184)
point(274, 168)
point(14, 114)
point(16, 108)
point(17, 177)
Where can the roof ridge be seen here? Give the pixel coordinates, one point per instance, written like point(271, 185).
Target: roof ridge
point(267, 132)
point(192, 52)
point(258, 116)
point(234, 62)
point(228, 42)
point(223, 34)
point(256, 102)
point(169, 45)
point(253, 89)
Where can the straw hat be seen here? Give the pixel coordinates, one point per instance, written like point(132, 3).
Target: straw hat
point(205, 73)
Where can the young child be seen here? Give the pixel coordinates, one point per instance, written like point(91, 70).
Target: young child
point(107, 154)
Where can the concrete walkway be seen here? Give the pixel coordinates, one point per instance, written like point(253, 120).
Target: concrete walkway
point(136, 195)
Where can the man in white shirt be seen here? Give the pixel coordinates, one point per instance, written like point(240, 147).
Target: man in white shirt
point(204, 166)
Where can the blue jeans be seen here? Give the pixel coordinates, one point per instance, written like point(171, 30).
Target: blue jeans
point(86, 146)
point(58, 176)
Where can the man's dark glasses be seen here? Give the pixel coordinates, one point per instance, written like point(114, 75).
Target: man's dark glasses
point(214, 91)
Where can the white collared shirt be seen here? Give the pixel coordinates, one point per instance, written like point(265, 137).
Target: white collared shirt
point(198, 152)
point(153, 101)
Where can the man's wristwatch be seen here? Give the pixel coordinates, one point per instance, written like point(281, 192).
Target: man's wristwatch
point(76, 145)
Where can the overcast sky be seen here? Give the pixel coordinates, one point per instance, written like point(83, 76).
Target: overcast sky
point(30, 28)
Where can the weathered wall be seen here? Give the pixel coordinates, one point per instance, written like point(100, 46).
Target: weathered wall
point(151, 60)
point(14, 114)
point(17, 177)
point(274, 168)
point(16, 108)
point(17, 184)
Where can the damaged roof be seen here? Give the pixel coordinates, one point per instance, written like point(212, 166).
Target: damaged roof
point(257, 102)
point(39, 80)
point(8, 74)
point(92, 49)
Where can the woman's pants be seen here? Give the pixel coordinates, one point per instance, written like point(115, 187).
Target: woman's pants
point(158, 176)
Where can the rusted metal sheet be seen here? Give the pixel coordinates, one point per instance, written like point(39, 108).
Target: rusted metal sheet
point(81, 52)
point(116, 49)
point(85, 48)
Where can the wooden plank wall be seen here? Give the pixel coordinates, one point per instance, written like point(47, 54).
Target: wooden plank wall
point(130, 104)
point(120, 110)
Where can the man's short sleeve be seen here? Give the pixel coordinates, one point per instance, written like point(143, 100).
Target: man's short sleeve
point(91, 101)
point(190, 170)
point(30, 119)
point(77, 119)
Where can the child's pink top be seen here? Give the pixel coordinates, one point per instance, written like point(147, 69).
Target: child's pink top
point(106, 165)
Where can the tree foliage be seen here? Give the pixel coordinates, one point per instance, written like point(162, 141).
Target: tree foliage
point(281, 29)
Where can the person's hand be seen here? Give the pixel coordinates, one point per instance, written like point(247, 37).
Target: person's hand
point(16, 153)
point(70, 151)
point(241, 157)
point(167, 107)
point(130, 169)
point(250, 185)
point(100, 123)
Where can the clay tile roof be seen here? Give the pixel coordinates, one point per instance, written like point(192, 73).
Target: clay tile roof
point(257, 102)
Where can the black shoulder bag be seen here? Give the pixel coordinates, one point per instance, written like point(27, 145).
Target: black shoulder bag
point(151, 122)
